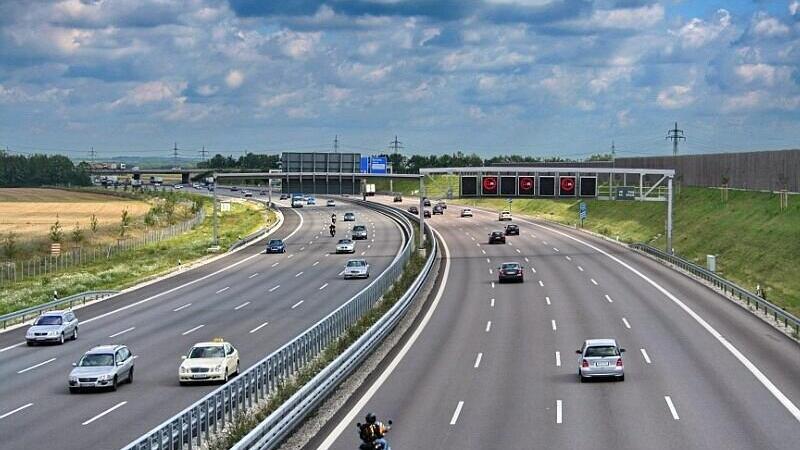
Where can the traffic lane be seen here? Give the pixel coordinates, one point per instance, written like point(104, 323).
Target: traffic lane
point(147, 354)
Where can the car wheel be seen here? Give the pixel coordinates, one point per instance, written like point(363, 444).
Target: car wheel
point(237, 368)
point(31, 343)
point(622, 378)
point(583, 379)
point(130, 376)
point(61, 339)
point(73, 390)
point(114, 384)
point(75, 334)
point(182, 383)
point(225, 380)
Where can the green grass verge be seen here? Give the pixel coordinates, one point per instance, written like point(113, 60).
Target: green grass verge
point(129, 268)
point(245, 422)
point(754, 241)
point(436, 186)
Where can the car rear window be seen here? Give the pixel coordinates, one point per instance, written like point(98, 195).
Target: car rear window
point(605, 350)
point(497, 233)
point(359, 228)
point(509, 266)
point(274, 242)
point(49, 320)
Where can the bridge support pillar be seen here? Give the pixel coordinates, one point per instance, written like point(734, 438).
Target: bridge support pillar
point(184, 177)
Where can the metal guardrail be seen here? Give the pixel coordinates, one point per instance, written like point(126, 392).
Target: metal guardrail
point(195, 424)
point(778, 314)
point(28, 313)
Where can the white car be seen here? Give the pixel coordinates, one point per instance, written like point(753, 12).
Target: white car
point(331, 203)
point(248, 194)
point(209, 361)
point(504, 215)
point(356, 268)
point(466, 212)
point(178, 186)
point(345, 246)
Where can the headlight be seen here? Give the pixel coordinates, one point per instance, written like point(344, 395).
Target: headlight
point(105, 377)
point(52, 333)
point(218, 368)
point(73, 378)
point(183, 369)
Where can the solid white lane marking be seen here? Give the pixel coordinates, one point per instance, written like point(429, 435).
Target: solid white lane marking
point(14, 411)
point(491, 303)
point(625, 321)
point(37, 365)
point(223, 289)
point(456, 413)
point(488, 326)
point(553, 323)
point(555, 250)
point(259, 327)
point(118, 405)
point(671, 406)
point(645, 356)
point(478, 360)
point(192, 330)
point(580, 268)
point(241, 306)
point(547, 299)
point(122, 332)
point(541, 284)
point(593, 282)
point(609, 299)
point(297, 304)
point(11, 346)
point(298, 274)
point(558, 359)
point(559, 414)
point(323, 286)
point(315, 263)
point(275, 264)
point(356, 409)
point(182, 307)
point(276, 287)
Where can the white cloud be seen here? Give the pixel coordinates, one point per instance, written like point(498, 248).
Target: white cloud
point(628, 18)
point(16, 94)
point(794, 7)
point(759, 100)
point(207, 90)
point(280, 99)
point(624, 118)
point(766, 26)
point(301, 112)
point(234, 79)
point(585, 105)
point(697, 32)
point(153, 92)
point(476, 112)
point(675, 97)
point(605, 78)
point(298, 45)
point(765, 74)
point(335, 94)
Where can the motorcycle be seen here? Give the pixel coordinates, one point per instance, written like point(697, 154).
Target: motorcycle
point(333, 231)
point(376, 444)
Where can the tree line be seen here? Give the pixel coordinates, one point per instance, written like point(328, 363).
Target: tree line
point(41, 170)
point(250, 161)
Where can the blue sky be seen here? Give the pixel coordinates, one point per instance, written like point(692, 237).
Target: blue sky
point(542, 77)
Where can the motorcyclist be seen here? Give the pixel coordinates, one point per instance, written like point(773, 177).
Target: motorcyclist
point(333, 218)
point(373, 433)
point(333, 230)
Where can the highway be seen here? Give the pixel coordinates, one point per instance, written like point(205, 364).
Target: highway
point(256, 301)
point(494, 366)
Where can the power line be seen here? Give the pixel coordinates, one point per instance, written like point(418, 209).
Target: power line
point(92, 155)
point(395, 145)
point(336, 144)
point(203, 153)
point(675, 135)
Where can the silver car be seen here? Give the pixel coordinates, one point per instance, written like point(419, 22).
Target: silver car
point(356, 268)
point(600, 358)
point(53, 326)
point(104, 366)
point(359, 232)
point(345, 246)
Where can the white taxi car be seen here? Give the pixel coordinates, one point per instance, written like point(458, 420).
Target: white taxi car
point(504, 215)
point(209, 361)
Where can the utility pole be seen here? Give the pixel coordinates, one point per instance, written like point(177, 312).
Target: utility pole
point(203, 153)
point(336, 144)
point(175, 155)
point(215, 238)
point(92, 155)
point(613, 154)
point(395, 145)
point(675, 135)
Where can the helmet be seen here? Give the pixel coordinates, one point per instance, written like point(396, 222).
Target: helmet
point(371, 418)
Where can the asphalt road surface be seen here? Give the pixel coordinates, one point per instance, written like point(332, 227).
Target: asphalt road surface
point(256, 301)
point(495, 366)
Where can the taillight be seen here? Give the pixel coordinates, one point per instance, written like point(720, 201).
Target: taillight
point(585, 363)
point(619, 362)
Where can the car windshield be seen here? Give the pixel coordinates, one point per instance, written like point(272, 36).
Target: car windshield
point(359, 228)
point(511, 227)
point(97, 360)
point(275, 242)
point(49, 320)
point(349, 214)
point(605, 350)
point(497, 233)
point(344, 241)
point(510, 266)
point(207, 352)
point(356, 263)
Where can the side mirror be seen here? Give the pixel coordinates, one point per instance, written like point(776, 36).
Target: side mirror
point(622, 350)
point(74, 364)
point(183, 356)
point(119, 363)
point(578, 351)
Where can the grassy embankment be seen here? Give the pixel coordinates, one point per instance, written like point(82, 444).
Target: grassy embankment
point(129, 268)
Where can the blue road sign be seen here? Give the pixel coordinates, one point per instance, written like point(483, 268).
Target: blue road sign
point(584, 211)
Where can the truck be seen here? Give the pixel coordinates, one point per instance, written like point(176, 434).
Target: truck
point(369, 189)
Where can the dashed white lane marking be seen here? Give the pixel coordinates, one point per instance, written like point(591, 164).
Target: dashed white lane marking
point(275, 264)
point(541, 284)
point(223, 289)
point(490, 271)
point(488, 261)
point(547, 299)
point(290, 256)
point(37, 365)
point(518, 250)
point(491, 303)
point(609, 299)
point(671, 406)
point(14, 411)
point(297, 304)
point(580, 268)
point(341, 273)
point(241, 306)
point(309, 243)
point(362, 253)
point(555, 250)
point(11, 346)
point(315, 263)
point(533, 269)
point(568, 258)
point(253, 275)
point(275, 287)
point(122, 332)
point(492, 284)
point(478, 245)
point(472, 237)
point(593, 281)
point(478, 360)
point(488, 326)
point(192, 330)
point(369, 245)
point(625, 321)
point(298, 274)
point(118, 405)
point(483, 251)
point(544, 242)
point(259, 327)
point(645, 356)
point(456, 413)
point(553, 324)
point(558, 359)
point(526, 259)
point(302, 248)
point(182, 307)
point(559, 413)
point(323, 286)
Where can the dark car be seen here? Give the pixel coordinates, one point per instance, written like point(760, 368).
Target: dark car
point(512, 230)
point(413, 210)
point(263, 192)
point(234, 188)
point(425, 201)
point(397, 199)
point(284, 196)
point(438, 209)
point(276, 246)
point(510, 271)
point(442, 204)
point(497, 237)
point(426, 213)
